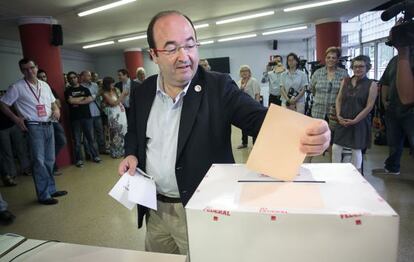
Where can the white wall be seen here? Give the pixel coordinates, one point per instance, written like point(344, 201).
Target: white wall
point(256, 54)
point(108, 65)
point(11, 53)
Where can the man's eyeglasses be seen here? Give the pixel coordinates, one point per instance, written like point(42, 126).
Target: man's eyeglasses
point(172, 50)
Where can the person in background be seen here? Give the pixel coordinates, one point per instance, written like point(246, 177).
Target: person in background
point(140, 74)
point(250, 86)
point(325, 84)
point(36, 106)
point(78, 98)
point(293, 85)
point(204, 63)
point(274, 77)
point(126, 86)
point(117, 121)
point(12, 143)
point(399, 115)
point(65, 79)
point(86, 81)
point(354, 102)
point(94, 77)
point(59, 132)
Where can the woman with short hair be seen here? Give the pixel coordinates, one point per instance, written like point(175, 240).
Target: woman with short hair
point(355, 100)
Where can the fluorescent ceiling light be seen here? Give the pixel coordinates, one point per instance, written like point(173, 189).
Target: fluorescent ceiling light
point(105, 7)
point(235, 19)
point(311, 5)
point(132, 38)
point(285, 30)
point(98, 44)
point(206, 42)
point(237, 37)
point(201, 26)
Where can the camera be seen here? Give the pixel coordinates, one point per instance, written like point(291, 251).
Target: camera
point(401, 34)
point(291, 93)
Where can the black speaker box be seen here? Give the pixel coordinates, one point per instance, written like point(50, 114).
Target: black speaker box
point(57, 35)
point(274, 44)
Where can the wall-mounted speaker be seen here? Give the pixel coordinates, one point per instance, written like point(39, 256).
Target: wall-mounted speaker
point(57, 35)
point(274, 44)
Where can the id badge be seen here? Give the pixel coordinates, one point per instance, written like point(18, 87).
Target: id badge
point(41, 110)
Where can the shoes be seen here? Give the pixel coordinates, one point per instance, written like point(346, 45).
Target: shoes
point(49, 201)
point(6, 217)
point(79, 163)
point(241, 146)
point(57, 172)
point(9, 181)
point(27, 172)
point(97, 159)
point(384, 171)
point(104, 152)
point(59, 193)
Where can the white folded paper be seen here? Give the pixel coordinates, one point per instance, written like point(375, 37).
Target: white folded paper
point(137, 189)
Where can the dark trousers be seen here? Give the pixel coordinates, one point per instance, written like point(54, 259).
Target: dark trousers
point(60, 139)
point(275, 100)
point(397, 129)
point(85, 127)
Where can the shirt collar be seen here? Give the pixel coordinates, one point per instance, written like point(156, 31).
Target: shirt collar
point(160, 88)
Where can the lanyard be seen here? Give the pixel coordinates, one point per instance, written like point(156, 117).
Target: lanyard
point(34, 94)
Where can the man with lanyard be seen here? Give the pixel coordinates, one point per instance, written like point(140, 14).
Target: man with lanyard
point(125, 85)
point(86, 81)
point(59, 132)
point(180, 124)
point(36, 105)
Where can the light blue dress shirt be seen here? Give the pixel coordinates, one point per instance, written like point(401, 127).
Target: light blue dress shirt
point(93, 107)
point(162, 133)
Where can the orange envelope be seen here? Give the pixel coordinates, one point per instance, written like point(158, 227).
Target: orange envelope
point(276, 151)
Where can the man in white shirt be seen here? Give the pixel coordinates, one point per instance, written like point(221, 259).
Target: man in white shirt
point(35, 103)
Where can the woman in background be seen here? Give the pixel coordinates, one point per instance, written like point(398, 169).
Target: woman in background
point(117, 121)
point(355, 101)
point(293, 85)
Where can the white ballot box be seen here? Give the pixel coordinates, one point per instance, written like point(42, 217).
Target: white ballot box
point(330, 213)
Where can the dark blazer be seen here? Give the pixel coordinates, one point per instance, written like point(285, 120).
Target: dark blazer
point(204, 135)
point(134, 86)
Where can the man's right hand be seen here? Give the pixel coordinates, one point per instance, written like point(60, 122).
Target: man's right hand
point(128, 164)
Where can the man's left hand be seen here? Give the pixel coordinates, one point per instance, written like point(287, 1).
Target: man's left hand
point(316, 139)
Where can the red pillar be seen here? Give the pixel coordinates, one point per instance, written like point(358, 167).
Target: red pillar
point(133, 59)
point(327, 35)
point(35, 37)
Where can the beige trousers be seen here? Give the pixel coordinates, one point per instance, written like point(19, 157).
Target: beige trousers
point(167, 229)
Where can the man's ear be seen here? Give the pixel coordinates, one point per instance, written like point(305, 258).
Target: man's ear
point(153, 55)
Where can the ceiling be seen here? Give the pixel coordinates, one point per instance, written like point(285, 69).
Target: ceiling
point(133, 18)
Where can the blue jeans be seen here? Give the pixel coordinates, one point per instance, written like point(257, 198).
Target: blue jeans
point(42, 143)
point(397, 129)
point(3, 204)
point(84, 126)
